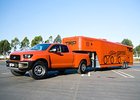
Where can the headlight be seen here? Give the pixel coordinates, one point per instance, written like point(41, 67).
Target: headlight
point(27, 56)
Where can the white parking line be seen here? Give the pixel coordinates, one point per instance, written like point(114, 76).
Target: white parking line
point(82, 74)
point(118, 73)
point(123, 74)
point(88, 74)
point(136, 69)
point(127, 74)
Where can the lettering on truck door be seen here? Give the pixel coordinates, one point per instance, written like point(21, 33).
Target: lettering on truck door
point(62, 58)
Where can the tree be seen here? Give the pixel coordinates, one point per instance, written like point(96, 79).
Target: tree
point(4, 47)
point(47, 41)
point(50, 40)
point(57, 39)
point(127, 42)
point(25, 43)
point(1, 49)
point(36, 40)
point(137, 51)
point(14, 43)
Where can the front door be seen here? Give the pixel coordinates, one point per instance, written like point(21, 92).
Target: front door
point(61, 58)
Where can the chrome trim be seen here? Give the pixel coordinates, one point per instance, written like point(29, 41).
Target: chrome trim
point(23, 65)
point(17, 65)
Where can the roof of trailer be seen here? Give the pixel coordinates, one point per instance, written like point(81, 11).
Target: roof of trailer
point(105, 40)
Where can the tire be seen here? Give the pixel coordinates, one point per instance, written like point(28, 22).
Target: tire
point(125, 65)
point(39, 70)
point(17, 73)
point(82, 67)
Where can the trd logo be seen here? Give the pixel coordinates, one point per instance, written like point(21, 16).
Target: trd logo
point(70, 42)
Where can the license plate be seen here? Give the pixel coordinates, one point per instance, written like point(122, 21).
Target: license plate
point(11, 64)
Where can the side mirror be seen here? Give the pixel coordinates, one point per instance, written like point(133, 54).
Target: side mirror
point(53, 50)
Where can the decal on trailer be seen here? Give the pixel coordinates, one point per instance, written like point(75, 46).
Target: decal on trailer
point(110, 57)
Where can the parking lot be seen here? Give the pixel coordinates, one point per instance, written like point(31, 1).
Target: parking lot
point(107, 84)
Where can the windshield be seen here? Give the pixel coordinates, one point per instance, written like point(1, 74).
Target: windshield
point(40, 47)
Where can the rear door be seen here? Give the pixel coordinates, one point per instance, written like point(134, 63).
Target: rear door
point(62, 58)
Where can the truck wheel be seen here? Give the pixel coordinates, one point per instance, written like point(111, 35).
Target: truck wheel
point(82, 67)
point(39, 70)
point(17, 73)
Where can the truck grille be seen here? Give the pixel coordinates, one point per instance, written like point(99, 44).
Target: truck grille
point(14, 57)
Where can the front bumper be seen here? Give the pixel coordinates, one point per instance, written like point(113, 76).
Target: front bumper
point(25, 65)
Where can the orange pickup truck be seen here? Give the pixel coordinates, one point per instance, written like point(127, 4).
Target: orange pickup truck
point(44, 57)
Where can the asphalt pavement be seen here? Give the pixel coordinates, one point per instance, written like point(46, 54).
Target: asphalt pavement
point(106, 84)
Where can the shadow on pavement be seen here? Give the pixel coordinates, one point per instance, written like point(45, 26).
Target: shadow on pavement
point(52, 74)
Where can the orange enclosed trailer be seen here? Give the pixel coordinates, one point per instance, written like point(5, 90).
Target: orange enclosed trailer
point(103, 53)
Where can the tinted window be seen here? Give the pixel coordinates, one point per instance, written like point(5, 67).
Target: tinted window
point(64, 48)
point(57, 47)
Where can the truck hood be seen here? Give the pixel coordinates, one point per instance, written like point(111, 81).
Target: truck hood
point(27, 52)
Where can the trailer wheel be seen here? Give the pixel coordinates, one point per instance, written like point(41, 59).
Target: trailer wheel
point(82, 67)
point(125, 65)
point(17, 73)
point(39, 70)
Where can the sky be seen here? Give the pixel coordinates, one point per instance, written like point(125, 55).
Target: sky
point(113, 20)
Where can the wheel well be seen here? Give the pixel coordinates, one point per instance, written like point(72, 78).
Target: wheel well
point(43, 60)
point(84, 61)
